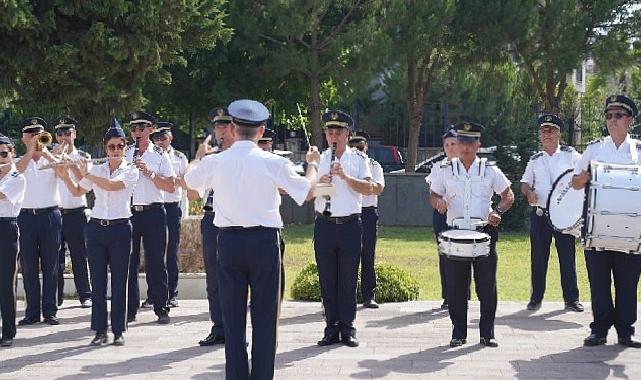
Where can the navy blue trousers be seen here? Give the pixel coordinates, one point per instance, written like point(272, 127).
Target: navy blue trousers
point(150, 226)
point(249, 259)
point(8, 262)
point(540, 239)
point(622, 312)
point(439, 224)
point(73, 237)
point(458, 280)
point(174, 214)
point(369, 217)
point(39, 244)
point(337, 248)
point(209, 234)
point(109, 247)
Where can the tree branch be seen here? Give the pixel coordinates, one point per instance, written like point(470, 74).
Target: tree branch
point(337, 28)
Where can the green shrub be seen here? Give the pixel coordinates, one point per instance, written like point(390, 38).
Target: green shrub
point(393, 284)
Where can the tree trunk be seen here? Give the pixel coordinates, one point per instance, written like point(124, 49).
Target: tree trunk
point(415, 98)
point(314, 94)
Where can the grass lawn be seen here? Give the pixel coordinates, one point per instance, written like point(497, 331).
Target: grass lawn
point(414, 249)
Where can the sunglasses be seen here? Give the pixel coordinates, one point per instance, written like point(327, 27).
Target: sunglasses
point(116, 146)
point(139, 127)
point(616, 115)
point(4, 154)
point(63, 132)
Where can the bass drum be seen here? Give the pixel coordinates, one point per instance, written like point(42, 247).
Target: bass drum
point(565, 205)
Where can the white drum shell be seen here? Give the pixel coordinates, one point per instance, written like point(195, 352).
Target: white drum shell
point(464, 244)
point(565, 206)
point(614, 208)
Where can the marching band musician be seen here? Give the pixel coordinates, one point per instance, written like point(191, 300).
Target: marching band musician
point(621, 313)
point(541, 171)
point(448, 193)
point(40, 225)
point(149, 219)
point(12, 188)
point(108, 232)
point(221, 122)
point(369, 218)
point(73, 214)
point(163, 138)
point(246, 181)
point(266, 143)
point(439, 221)
point(337, 236)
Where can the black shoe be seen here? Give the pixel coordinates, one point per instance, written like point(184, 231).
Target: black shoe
point(630, 342)
point(455, 342)
point(131, 318)
point(53, 320)
point(350, 341)
point(212, 339)
point(574, 306)
point(99, 339)
point(8, 342)
point(60, 301)
point(594, 340)
point(85, 304)
point(489, 342)
point(163, 319)
point(148, 304)
point(533, 306)
point(119, 340)
point(444, 305)
point(328, 340)
point(28, 321)
point(172, 302)
point(370, 304)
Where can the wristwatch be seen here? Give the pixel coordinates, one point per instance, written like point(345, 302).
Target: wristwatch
point(152, 176)
point(499, 210)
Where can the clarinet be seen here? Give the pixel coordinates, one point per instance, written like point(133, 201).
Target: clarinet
point(137, 148)
point(328, 199)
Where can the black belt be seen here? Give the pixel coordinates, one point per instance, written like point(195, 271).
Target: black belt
point(241, 228)
point(370, 208)
point(171, 203)
point(65, 211)
point(338, 219)
point(8, 219)
point(210, 213)
point(539, 210)
point(138, 208)
point(208, 208)
point(36, 211)
point(109, 222)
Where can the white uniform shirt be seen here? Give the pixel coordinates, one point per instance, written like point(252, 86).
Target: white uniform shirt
point(42, 186)
point(158, 162)
point(452, 189)
point(346, 201)
point(246, 180)
point(68, 200)
point(12, 185)
point(378, 177)
point(542, 170)
point(604, 150)
point(179, 164)
point(112, 204)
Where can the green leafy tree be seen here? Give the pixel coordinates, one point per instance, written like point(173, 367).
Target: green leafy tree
point(549, 38)
point(93, 58)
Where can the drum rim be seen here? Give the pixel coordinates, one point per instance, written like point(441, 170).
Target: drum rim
point(577, 223)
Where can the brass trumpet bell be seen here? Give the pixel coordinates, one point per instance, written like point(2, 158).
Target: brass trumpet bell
point(44, 139)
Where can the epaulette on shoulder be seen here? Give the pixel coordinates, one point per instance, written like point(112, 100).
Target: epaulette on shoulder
point(158, 149)
point(358, 152)
point(130, 146)
point(84, 154)
point(179, 154)
point(596, 141)
point(490, 163)
point(445, 163)
point(566, 148)
point(373, 162)
point(536, 155)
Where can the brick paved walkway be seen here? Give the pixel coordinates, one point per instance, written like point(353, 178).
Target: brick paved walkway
point(407, 340)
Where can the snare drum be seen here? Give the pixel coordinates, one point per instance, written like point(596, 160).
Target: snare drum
point(614, 208)
point(464, 244)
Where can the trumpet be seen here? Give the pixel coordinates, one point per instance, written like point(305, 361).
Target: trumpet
point(44, 139)
point(69, 163)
